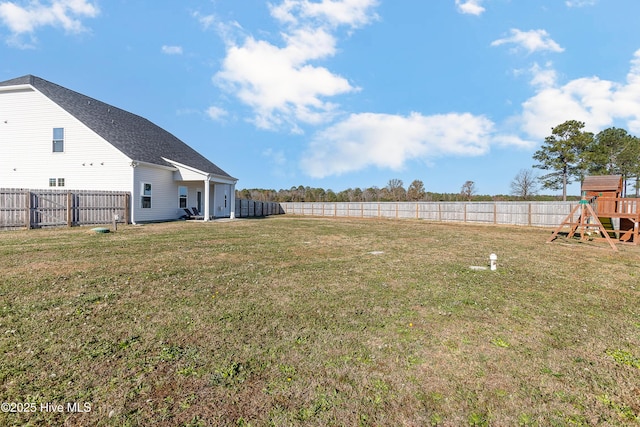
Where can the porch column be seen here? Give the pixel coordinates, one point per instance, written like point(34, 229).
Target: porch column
point(207, 191)
point(233, 201)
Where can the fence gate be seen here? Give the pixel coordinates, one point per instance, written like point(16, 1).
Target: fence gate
point(21, 208)
point(47, 209)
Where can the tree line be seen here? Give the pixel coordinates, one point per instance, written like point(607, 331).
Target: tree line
point(568, 155)
point(392, 192)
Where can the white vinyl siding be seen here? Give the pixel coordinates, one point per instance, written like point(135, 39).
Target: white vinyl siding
point(221, 200)
point(163, 194)
point(27, 119)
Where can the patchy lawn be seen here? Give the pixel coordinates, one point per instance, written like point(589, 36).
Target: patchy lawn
point(314, 322)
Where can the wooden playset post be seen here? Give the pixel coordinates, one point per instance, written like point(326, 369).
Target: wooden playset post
point(587, 220)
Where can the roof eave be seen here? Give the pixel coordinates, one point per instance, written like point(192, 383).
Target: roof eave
point(224, 178)
point(14, 88)
point(135, 163)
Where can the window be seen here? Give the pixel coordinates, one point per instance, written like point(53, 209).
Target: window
point(56, 181)
point(58, 140)
point(146, 196)
point(182, 197)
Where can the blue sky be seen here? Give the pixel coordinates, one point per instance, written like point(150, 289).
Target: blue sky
point(344, 93)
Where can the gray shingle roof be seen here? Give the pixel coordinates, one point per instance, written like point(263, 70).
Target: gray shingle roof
point(135, 136)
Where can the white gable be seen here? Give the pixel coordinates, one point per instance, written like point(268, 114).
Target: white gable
point(88, 162)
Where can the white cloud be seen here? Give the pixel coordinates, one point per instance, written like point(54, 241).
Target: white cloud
point(216, 113)
point(352, 13)
point(172, 50)
point(470, 7)
point(280, 83)
point(543, 77)
point(532, 41)
point(580, 3)
point(599, 103)
point(207, 21)
point(27, 17)
point(389, 141)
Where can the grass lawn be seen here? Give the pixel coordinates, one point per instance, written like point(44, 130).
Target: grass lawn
point(291, 321)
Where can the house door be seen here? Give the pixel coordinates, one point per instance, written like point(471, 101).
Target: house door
point(199, 200)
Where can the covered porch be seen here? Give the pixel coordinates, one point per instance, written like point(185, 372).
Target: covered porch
point(212, 195)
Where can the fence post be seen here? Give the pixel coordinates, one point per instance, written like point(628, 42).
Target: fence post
point(529, 215)
point(127, 208)
point(495, 213)
point(69, 209)
point(27, 205)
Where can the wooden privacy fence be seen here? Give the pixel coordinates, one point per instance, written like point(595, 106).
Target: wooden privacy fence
point(537, 214)
point(21, 208)
point(253, 208)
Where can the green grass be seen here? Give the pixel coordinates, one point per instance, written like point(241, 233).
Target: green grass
point(298, 321)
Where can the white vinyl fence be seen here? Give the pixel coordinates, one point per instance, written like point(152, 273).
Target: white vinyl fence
point(536, 214)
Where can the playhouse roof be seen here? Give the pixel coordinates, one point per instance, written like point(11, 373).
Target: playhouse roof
point(602, 183)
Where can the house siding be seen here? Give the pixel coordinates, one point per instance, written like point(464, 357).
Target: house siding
point(164, 198)
point(27, 119)
point(219, 209)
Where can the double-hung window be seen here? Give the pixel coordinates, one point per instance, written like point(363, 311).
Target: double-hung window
point(58, 140)
point(182, 197)
point(146, 196)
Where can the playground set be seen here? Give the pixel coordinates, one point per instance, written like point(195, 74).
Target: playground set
point(602, 214)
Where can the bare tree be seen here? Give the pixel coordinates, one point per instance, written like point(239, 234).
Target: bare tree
point(525, 184)
point(371, 194)
point(468, 190)
point(396, 190)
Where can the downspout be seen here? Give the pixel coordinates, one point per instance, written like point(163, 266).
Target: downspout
point(134, 199)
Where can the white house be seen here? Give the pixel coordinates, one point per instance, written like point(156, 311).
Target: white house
point(51, 136)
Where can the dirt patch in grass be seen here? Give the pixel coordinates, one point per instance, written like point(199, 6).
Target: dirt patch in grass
point(293, 321)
